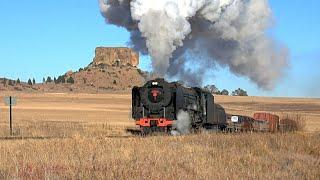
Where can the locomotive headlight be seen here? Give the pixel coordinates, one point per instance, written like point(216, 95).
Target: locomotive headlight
point(155, 83)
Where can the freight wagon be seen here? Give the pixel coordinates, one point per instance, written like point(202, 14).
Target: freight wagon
point(237, 123)
point(271, 119)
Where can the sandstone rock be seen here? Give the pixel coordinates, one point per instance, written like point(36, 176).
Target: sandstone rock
point(115, 56)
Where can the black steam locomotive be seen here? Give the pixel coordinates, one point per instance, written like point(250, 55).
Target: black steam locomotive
point(155, 107)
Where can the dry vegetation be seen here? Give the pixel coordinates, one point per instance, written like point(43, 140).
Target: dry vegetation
point(304, 110)
point(81, 136)
point(205, 156)
point(292, 122)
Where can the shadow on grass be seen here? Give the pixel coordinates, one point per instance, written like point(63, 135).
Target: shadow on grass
point(29, 138)
point(8, 138)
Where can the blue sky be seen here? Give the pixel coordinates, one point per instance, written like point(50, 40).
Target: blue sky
point(48, 38)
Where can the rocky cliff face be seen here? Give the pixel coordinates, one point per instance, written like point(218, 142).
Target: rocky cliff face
point(115, 56)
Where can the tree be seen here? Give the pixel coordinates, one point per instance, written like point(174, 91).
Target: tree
point(61, 79)
point(55, 80)
point(33, 81)
point(43, 80)
point(239, 92)
point(30, 82)
point(212, 89)
point(49, 79)
point(225, 92)
point(18, 81)
point(70, 80)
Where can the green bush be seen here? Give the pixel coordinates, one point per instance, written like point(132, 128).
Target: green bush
point(70, 80)
point(30, 82)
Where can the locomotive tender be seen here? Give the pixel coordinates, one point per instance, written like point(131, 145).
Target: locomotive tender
point(155, 106)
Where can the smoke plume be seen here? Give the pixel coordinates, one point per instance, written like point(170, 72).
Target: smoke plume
point(199, 35)
point(182, 125)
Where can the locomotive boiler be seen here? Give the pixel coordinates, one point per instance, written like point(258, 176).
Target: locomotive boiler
point(156, 105)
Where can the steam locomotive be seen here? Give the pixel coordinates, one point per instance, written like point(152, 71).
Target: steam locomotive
point(156, 105)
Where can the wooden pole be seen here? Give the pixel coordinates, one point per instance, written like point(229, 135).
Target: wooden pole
point(10, 101)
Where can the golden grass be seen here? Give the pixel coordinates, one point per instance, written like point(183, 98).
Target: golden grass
point(200, 156)
point(82, 136)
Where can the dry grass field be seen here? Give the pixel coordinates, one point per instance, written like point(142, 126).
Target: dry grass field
point(82, 136)
point(308, 109)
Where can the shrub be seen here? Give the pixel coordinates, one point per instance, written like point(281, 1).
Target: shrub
point(292, 122)
point(30, 82)
point(61, 79)
point(70, 80)
point(225, 92)
point(49, 79)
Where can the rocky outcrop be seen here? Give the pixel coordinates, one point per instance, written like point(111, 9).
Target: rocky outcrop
point(115, 56)
point(112, 69)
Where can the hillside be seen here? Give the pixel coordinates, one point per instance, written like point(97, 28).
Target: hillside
point(112, 69)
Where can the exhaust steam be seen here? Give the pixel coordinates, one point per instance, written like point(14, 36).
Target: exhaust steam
point(183, 124)
point(186, 38)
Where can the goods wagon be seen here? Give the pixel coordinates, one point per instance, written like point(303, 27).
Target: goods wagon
point(273, 120)
point(239, 123)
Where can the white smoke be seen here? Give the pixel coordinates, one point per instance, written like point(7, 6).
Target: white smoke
point(183, 123)
point(228, 33)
